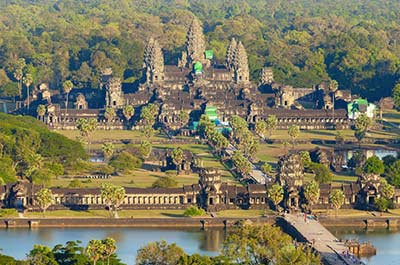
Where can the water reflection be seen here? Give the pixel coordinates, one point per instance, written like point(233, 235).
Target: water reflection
point(212, 240)
point(386, 241)
point(17, 242)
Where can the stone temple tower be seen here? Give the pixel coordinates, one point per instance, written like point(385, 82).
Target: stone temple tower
point(114, 94)
point(153, 62)
point(195, 45)
point(240, 65)
point(230, 52)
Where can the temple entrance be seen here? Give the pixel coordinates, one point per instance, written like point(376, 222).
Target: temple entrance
point(371, 200)
point(211, 201)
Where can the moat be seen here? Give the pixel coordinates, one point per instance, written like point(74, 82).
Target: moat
point(17, 242)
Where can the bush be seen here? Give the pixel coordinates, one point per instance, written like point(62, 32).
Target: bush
point(5, 213)
point(322, 173)
point(383, 204)
point(75, 184)
point(125, 161)
point(164, 182)
point(194, 211)
point(56, 168)
point(374, 165)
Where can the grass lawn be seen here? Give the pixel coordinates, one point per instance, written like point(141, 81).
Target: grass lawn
point(243, 213)
point(113, 135)
point(105, 214)
point(357, 213)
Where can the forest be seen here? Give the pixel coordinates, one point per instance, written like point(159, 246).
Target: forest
point(305, 41)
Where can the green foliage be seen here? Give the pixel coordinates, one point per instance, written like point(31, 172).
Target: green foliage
point(41, 255)
point(294, 132)
point(388, 161)
point(194, 211)
point(396, 95)
point(25, 138)
point(7, 213)
point(312, 192)
point(264, 244)
point(386, 190)
point(336, 198)
point(275, 194)
point(362, 123)
point(128, 112)
point(113, 196)
point(322, 173)
point(305, 158)
point(393, 174)
point(145, 149)
point(149, 114)
point(44, 198)
point(383, 204)
point(177, 156)
point(75, 184)
point(7, 171)
point(108, 150)
point(266, 168)
point(125, 161)
point(159, 252)
point(374, 165)
point(241, 163)
point(165, 182)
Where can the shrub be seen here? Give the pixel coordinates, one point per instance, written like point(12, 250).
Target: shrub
point(322, 173)
point(125, 161)
point(374, 165)
point(75, 184)
point(194, 211)
point(5, 213)
point(164, 182)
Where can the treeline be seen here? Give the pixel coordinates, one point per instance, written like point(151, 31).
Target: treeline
point(245, 244)
point(29, 150)
point(306, 41)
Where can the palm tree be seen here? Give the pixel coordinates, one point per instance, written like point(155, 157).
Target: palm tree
point(312, 193)
point(67, 86)
point(18, 76)
point(336, 198)
point(109, 248)
point(275, 194)
point(294, 132)
point(333, 87)
point(41, 110)
point(177, 156)
point(128, 112)
point(109, 114)
point(108, 150)
point(27, 80)
point(95, 250)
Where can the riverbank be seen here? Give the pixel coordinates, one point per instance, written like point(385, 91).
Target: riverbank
point(195, 222)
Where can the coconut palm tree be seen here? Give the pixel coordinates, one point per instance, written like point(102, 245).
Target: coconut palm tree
point(312, 193)
point(67, 87)
point(108, 150)
point(95, 250)
point(109, 248)
point(128, 112)
point(177, 156)
point(27, 80)
point(109, 114)
point(41, 110)
point(336, 198)
point(275, 194)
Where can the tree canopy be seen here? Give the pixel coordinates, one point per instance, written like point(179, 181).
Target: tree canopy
point(306, 41)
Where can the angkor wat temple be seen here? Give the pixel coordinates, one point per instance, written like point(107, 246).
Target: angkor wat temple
point(210, 193)
point(191, 85)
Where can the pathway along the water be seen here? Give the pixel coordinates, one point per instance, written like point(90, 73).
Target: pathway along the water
point(332, 251)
